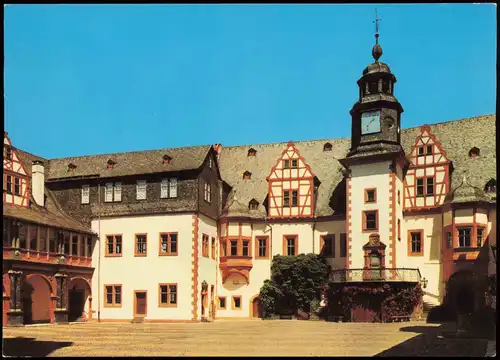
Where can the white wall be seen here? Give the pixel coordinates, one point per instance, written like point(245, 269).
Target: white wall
point(207, 267)
point(144, 273)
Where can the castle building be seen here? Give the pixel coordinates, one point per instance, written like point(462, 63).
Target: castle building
point(186, 234)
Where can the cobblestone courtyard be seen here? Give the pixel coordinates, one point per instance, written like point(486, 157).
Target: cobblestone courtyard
point(238, 338)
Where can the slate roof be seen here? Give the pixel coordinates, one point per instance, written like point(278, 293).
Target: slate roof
point(456, 137)
point(129, 163)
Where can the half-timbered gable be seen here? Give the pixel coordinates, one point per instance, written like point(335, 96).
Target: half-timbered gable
point(291, 186)
point(16, 180)
point(428, 178)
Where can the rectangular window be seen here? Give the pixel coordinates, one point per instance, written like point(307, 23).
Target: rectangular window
point(399, 229)
point(262, 248)
point(168, 244)
point(204, 245)
point(464, 237)
point(17, 186)
point(89, 246)
point(43, 239)
point(9, 185)
point(370, 195)
point(416, 242)
point(164, 188)
point(449, 240)
point(480, 232)
point(168, 295)
point(428, 150)
point(420, 187)
point(141, 190)
point(236, 302)
point(74, 245)
point(286, 164)
point(295, 164)
point(8, 153)
point(245, 248)
point(399, 197)
point(114, 245)
point(172, 187)
point(328, 245)
point(33, 237)
point(22, 237)
point(370, 220)
point(66, 244)
point(113, 295)
point(286, 199)
point(207, 192)
point(213, 248)
point(430, 186)
point(295, 198)
point(290, 246)
point(85, 194)
point(108, 192)
point(343, 245)
point(117, 191)
point(222, 248)
point(141, 244)
point(420, 151)
point(52, 240)
point(222, 302)
point(234, 247)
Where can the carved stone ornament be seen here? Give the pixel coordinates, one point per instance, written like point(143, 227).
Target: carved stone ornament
point(374, 239)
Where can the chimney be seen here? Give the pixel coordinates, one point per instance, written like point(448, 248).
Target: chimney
point(38, 182)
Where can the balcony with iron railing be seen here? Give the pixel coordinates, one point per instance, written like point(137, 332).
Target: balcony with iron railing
point(375, 275)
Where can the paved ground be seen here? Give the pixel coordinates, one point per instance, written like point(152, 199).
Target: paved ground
point(239, 338)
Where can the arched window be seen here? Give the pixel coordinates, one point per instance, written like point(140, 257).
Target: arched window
point(491, 186)
point(253, 204)
point(252, 152)
point(247, 175)
point(327, 147)
point(474, 152)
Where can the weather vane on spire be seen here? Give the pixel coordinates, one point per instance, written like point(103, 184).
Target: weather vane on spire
point(377, 19)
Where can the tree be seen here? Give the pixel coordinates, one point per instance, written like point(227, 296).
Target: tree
point(296, 282)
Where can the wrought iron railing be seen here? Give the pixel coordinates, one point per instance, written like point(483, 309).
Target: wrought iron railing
point(377, 275)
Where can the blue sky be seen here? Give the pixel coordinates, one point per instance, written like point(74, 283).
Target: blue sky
point(91, 79)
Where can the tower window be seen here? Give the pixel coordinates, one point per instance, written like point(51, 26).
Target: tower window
point(428, 150)
point(286, 164)
point(327, 147)
point(385, 87)
point(474, 152)
point(295, 164)
point(370, 222)
point(373, 87)
point(464, 237)
point(370, 195)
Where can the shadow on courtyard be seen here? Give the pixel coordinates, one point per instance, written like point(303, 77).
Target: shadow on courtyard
point(21, 346)
point(436, 341)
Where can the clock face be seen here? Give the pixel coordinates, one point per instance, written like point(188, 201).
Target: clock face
point(370, 122)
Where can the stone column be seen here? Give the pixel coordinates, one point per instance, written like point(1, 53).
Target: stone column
point(15, 314)
point(61, 311)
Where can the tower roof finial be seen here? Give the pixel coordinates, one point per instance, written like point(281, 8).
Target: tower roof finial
point(377, 49)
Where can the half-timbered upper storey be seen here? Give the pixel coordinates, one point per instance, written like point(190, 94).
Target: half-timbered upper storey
point(16, 181)
point(291, 186)
point(428, 178)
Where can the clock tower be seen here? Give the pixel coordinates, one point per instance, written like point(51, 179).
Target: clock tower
point(376, 116)
point(376, 166)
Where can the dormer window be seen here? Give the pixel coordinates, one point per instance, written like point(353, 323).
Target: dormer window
point(327, 147)
point(111, 164)
point(474, 152)
point(491, 186)
point(247, 175)
point(252, 152)
point(71, 167)
point(253, 204)
point(166, 159)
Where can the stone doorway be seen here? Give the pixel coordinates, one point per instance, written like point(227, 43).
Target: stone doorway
point(35, 301)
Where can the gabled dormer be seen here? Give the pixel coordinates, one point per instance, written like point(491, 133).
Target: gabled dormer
point(428, 178)
point(166, 159)
point(110, 164)
point(16, 181)
point(291, 186)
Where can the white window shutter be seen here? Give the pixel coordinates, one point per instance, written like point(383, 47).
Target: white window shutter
point(118, 191)
point(173, 187)
point(141, 190)
point(85, 194)
point(108, 195)
point(164, 188)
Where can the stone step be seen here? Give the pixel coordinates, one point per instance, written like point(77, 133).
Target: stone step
point(137, 320)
